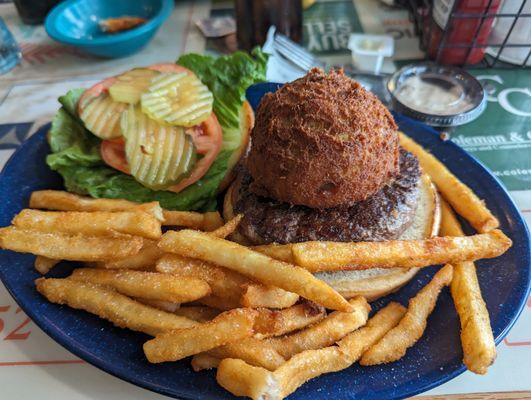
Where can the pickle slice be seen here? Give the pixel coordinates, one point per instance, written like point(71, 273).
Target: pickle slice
point(177, 99)
point(131, 84)
point(101, 116)
point(159, 155)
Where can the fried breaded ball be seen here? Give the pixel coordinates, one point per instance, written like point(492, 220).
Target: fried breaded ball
point(322, 141)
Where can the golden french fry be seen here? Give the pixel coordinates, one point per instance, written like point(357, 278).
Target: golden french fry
point(280, 252)
point(257, 295)
point(267, 322)
point(229, 289)
point(64, 201)
point(212, 221)
point(242, 379)
point(229, 326)
point(62, 246)
point(221, 303)
point(146, 285)
point(459, 195)
point(479, 349)
point(160, 304)
point(255, 265)
point(204, 361)
point(145, 259)
point(209, 221)
point(253, 351)
point(311, 363)
point(356, 343)
point(226, 285)
point(410, 329)
point(308, 365)
point(228, 228)
point(330, 256)
point(44, 264)
point(90, 223)
point(108, 304)
point(198, 313)
point(326, 332)
point(297, 317)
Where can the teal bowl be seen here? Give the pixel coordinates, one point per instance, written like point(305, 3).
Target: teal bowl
point(76, 23)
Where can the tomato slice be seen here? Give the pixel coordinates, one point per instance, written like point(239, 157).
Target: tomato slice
point(113, 153)
point(93, 92)
point(207, 138)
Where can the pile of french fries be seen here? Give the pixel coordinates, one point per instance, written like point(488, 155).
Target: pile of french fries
point(257, 314)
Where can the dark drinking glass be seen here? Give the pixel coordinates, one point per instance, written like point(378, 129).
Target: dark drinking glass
point(254, 17)
point(33, 12)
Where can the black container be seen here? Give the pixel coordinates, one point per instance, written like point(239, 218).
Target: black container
point(33, 12)
point(254, 17)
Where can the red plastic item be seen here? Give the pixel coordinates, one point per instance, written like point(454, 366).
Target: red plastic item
point(460, 28)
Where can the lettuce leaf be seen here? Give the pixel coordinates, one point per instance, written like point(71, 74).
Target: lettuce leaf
point(221, 75)
point(75, 151)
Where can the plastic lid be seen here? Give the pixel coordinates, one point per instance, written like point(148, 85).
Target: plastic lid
point(437, 95)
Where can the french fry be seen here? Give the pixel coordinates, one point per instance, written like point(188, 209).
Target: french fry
point(221, 303)
point(311, 363)
point(326, 332)
point(146, 285)
point(459, 195)
point(228, 228)
point(229, 289)
point(64, 201)
point(61, 246)
point(44, 264)
point(242, 379)
point(204, 361)
point(280, 252)
point(160, 304)
point(331, 256)
point(198, 313)
point(297, 317)
point(268, 322)
point(108, 304)
point(145, 259)
point(410, 329)
point(254, 265)
point(356, 343)
point(209, 221)
point(257, 295)
point(253, 351)
point(479, 349)
point(230, 326)
point(90, 223)
point(212, 221)
point(226, 285)
point(308, 365)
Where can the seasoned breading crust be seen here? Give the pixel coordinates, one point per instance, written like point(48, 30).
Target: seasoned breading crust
point(322, 141)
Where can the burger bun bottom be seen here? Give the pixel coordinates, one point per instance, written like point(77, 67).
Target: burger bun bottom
point(377, 282)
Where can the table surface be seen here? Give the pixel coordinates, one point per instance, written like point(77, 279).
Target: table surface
point(30, 361)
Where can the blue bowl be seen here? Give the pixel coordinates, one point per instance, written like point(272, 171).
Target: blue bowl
point(76, 23)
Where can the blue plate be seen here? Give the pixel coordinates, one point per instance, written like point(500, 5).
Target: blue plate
point(435, 359)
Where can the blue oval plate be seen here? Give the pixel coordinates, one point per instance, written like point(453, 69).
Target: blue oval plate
point(435, 359)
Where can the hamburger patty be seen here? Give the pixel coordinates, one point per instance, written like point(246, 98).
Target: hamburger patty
point(383, 216)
